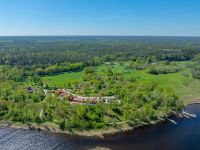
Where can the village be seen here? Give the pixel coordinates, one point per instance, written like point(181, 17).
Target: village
point(65, 94)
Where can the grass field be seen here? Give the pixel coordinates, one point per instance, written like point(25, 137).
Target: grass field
point(184, 86)
point(61, 79)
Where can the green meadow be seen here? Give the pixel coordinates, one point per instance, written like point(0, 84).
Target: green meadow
point(182, 83)
point(60, 80)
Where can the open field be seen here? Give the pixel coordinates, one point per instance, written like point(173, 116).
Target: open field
point(61, 79)
point(186, 87)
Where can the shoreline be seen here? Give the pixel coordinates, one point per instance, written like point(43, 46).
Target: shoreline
point(98, 133)
point(195, 102)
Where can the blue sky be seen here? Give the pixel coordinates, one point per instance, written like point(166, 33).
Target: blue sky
point(100, 17)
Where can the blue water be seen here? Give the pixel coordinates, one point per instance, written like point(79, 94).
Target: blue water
point(163, 136)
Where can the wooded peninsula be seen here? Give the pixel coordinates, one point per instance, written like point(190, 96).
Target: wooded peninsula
point(77, 84)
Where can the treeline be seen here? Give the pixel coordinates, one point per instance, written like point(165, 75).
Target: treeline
point(163, 69)
point(195, 70)
point(195, 67)
point(65, 67)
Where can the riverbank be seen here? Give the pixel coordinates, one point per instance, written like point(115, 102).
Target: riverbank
point(195, 101)
point(139, 138)
point(98, 133)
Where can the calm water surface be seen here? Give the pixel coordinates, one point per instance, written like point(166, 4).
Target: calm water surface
point(166, 136)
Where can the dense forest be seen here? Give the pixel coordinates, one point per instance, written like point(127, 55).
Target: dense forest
point(25, 60)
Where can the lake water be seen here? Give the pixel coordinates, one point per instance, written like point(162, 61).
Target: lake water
point(166, 136)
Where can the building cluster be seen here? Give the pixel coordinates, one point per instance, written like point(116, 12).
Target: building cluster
point(73, 98)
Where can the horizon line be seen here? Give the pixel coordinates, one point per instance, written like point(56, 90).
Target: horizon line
point(90, 35)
